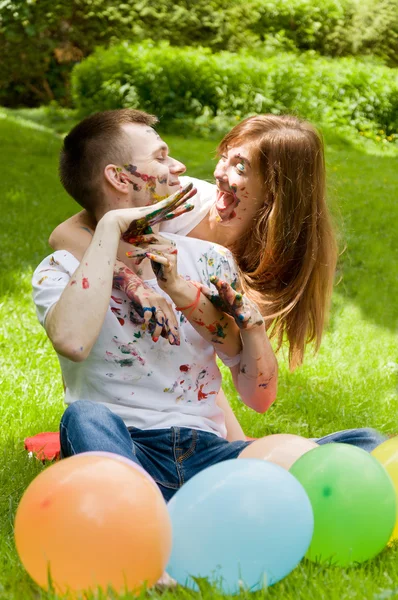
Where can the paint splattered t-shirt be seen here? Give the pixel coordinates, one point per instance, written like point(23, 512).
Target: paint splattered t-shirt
point(202, 201)
point(149, 385)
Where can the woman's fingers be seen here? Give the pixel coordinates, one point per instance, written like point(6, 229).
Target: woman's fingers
point(150, 239)
point(245, 313)
point(153, 214)
point(226, 292)
point(158, 258)
point(214, 298)
point(185, 208)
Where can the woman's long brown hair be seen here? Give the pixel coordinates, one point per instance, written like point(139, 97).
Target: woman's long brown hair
point(287, 258)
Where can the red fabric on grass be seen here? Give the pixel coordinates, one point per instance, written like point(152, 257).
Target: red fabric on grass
point(46, 446)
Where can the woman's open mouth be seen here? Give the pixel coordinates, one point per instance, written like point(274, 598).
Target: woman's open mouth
point(226, 202)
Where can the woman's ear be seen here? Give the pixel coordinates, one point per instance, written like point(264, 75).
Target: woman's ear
point(116, 177)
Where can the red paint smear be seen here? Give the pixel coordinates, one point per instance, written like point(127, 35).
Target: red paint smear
point(199, 322)
point(73, 282)
point(117, 300)
point(116, 311)
point(85, 283)
point(203, 395)
point(184, 368)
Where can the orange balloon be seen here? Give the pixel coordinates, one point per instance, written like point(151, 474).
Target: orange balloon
point(283, 449)
point(92, 521)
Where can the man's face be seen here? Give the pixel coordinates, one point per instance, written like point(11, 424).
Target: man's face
point(153, 174)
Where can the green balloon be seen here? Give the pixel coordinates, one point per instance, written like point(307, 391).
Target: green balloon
point(353, 500)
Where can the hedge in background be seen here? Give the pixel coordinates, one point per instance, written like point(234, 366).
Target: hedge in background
point(194, 86)
point(41, 40)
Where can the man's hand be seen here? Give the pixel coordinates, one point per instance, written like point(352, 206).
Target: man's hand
point(147, 306)
point(234, 303)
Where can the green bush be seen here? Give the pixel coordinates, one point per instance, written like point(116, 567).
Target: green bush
point(41, 40)
point(194, 86)
point(374, 29)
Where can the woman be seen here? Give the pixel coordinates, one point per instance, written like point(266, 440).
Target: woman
point(269, 208)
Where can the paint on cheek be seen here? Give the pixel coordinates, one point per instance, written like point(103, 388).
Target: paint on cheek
point(148, 179)
point(136, 187)
point(85, 283)
point(162, 179)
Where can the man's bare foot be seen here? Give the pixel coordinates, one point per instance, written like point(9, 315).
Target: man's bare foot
point(165, 582)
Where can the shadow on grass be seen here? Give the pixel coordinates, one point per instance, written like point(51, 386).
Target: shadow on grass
point(363, 190)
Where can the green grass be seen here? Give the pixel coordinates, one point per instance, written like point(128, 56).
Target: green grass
point(351, 383)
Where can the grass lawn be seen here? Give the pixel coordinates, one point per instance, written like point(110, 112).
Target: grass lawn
point(351, 383)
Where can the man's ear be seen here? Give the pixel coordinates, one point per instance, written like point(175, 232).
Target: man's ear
point(116, 177)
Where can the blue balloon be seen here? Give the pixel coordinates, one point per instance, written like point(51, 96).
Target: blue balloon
point(241, 523)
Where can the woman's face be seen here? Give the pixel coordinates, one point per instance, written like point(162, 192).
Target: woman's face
point(240, 192)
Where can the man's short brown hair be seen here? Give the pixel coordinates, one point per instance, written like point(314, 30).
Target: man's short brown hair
point(95, 142)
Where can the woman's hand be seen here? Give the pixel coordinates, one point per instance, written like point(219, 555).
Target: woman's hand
point(135, 221)
point(245, 312)
point(150, 243)
point(164, 264)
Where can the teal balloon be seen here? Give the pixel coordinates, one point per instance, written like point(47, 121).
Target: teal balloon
point(240, 524)
point(353, 500)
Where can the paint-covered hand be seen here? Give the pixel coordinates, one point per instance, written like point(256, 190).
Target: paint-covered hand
point(234, 303)
point(152, 243)
point(174, 206)
point(147, 307)
point(162, 253)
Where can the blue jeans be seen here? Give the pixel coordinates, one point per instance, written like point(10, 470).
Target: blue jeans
point(170, 456)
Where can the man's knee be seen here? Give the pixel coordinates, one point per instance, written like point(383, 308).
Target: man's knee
point(83, 411)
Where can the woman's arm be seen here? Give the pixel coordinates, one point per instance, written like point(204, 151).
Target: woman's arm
point(256, 375)
point(210, 322)
point(74, 234)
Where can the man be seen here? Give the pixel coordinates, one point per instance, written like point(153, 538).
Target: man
point(129, 392)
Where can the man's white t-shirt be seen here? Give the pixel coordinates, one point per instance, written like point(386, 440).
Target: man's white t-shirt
point(202, 201)
point(149, 385)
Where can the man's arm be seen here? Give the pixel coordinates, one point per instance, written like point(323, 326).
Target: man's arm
point(75, 321)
